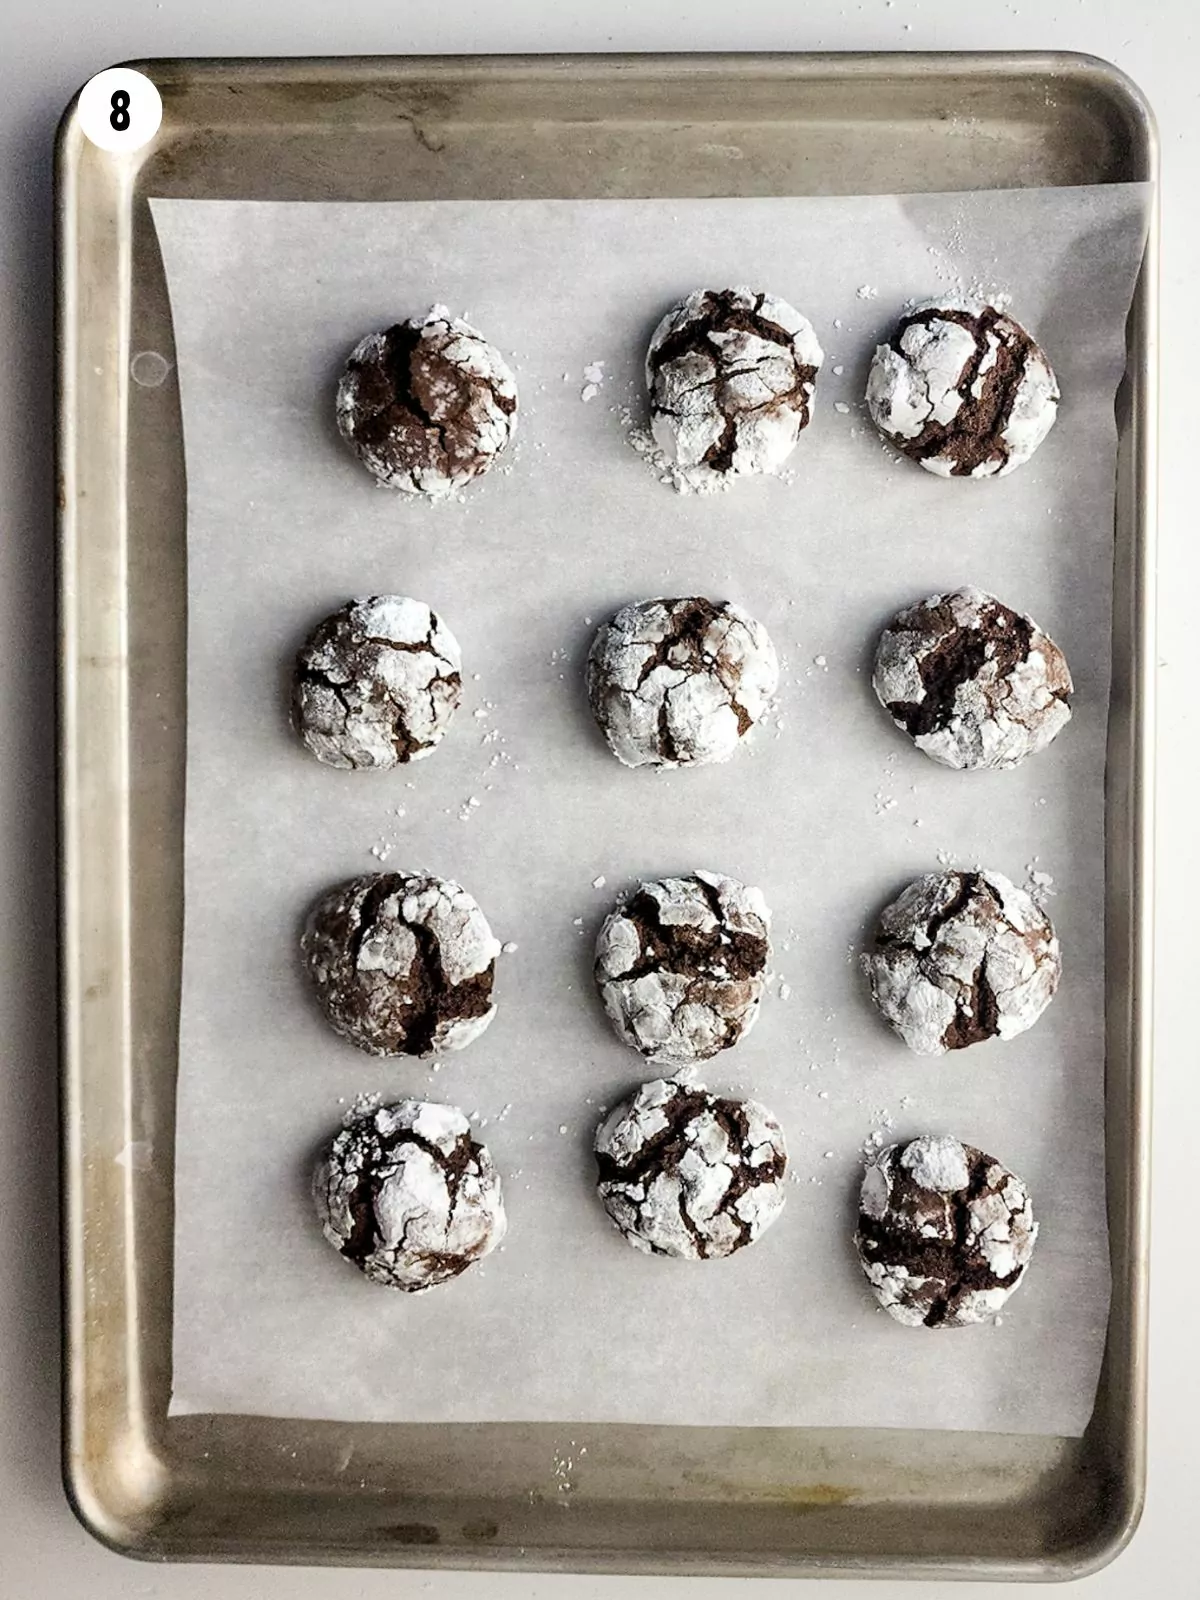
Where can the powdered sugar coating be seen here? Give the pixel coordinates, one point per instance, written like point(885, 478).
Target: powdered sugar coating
point(681, 966)
point(408, 1196)
point(402, 963)
point(936, 1163)
point(427, 405)
point(975, 684)
point(961, 957)
point(377, 684)
point(962, 388)
point(685, 1173)
point(945, 1232)
point(680, 682)
point(730, 375)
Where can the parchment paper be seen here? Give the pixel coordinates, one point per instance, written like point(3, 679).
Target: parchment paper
point(830, 811)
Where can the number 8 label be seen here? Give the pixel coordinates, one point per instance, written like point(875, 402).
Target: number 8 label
point(119, 109)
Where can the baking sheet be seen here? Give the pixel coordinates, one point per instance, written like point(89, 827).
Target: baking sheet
point(830, 811)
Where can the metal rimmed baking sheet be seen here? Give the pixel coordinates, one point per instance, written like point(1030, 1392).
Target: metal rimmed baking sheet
point(653, 1501)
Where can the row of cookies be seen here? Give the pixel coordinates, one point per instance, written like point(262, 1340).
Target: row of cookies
point(945, 1233)
point(680, 682)
point(404, 963)
point(428, 405)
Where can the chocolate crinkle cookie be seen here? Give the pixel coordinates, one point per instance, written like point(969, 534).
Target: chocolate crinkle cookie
point(427, 405)
point(963, 389)
point(945, 1232)
point(677, 683)
point(974, 683)
point(376, 684)
point(730, 374)
point(403, 963)
point(962, 957)
point(681, 965)
point(408, 1196)
point(686, 1173)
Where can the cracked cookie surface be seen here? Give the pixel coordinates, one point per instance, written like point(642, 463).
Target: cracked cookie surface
point(961, 957)
point(406, 1194)
point(945, 1232)
point(730, 375)
point(680, 682)
point(686, 1173)
point(963, 389)
point(681, 965)
point(974, 683)
point(377, 684)
point(402, 963)
point(427, 405)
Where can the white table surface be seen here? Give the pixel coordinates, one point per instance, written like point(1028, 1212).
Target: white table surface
point(46, 51)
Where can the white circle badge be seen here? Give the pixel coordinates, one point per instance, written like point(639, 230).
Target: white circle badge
point(120, 109)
